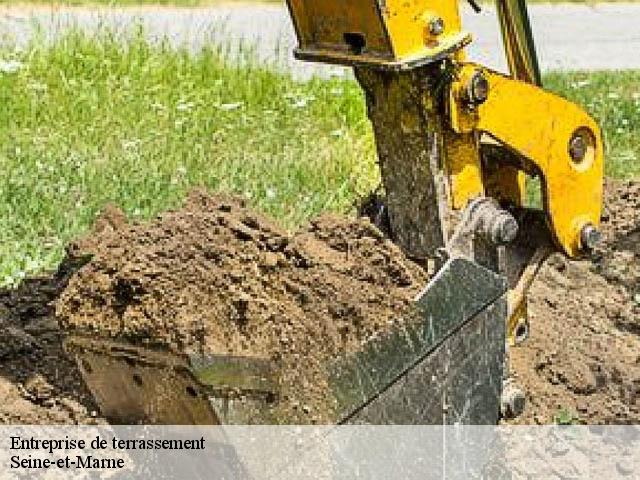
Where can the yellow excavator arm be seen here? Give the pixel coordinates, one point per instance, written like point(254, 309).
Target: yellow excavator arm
point(450, 132)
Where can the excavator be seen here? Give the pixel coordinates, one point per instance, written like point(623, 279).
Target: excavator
point(457, 146)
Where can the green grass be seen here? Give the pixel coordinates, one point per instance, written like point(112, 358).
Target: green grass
point(88, 121)
point(566, 416)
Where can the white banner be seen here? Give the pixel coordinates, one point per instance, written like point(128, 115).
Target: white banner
point(327, 452)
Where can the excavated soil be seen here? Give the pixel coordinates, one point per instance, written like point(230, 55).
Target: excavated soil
point(215, 276)
point(582, 361)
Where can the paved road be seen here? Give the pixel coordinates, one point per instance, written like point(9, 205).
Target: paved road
point(568, 36)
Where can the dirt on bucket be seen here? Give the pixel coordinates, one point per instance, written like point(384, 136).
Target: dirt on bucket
point(216, 276)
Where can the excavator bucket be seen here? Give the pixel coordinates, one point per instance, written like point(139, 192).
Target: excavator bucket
point(444, 365)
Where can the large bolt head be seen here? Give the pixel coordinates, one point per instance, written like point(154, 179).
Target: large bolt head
point(436, 26)
point(504, 229)
point(477, 88)
point(590, 237)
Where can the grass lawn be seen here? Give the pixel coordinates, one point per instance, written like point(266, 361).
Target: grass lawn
point(89, 121)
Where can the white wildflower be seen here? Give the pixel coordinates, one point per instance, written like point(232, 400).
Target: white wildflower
point(300, 103)
point(580, 84)
point(228, 107)
point(10, 66)
point(185, 106)
point(38, 87)
point(130, 144)
point(32, 265)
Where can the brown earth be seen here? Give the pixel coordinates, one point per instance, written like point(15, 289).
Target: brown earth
point(38, 384)
point(582, 361)
point(217, 278)
point(178, 280)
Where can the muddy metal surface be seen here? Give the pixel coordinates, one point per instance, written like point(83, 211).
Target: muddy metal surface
point(568, 36)
point(216, 275)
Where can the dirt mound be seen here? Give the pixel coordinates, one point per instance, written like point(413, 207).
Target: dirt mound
point(324, 290)
point(215, 277)
point(582, 362)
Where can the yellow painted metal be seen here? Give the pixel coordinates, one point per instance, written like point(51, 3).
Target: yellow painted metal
point(532, 128)
point(518, 320)
point(505, 183)
point(464, 169)
point(520, 51)
point(390, 34)
point(499, 181)
point(503, 178)
point(408, 25)
point(462, 154)
point(539, 126)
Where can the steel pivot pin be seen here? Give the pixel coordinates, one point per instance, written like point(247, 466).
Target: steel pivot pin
point(590, 237)
point(436, 26)
point(477, 88)
point(578, 148)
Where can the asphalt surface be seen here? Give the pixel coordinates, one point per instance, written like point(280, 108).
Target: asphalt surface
point(568, 36)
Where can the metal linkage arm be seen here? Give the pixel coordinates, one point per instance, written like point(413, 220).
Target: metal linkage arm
point(551, 137)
